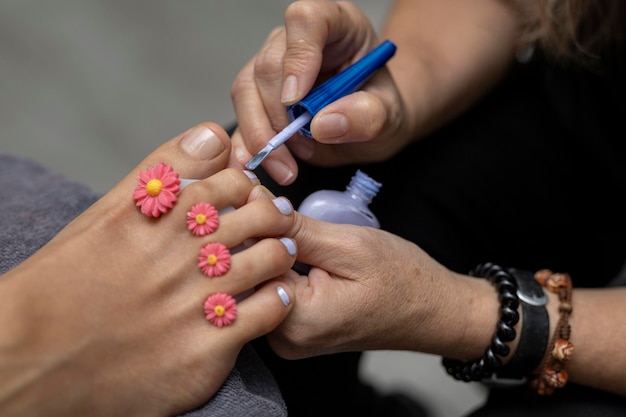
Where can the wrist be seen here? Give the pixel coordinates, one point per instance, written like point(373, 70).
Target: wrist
point(518, 293)
point(468, 318)
point(532, 331)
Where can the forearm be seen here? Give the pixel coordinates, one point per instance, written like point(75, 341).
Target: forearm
point(598, 334)
point(598, 329)
point(450, 52)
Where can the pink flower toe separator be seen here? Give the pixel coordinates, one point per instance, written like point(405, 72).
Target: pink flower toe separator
point(214, 259)
point(202, 219)
point(220, 309)
point(156, 192)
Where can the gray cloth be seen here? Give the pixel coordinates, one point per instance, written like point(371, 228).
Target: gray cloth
point(36, 203)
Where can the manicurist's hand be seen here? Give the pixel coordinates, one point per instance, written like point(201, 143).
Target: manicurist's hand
point(319, 39)
point(450, 54)
point(370, 289)
point(109, 318)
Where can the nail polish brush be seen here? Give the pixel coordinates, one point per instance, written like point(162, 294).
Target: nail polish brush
point(340, 85)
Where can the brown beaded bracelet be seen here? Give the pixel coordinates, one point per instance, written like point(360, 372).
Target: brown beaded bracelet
point(552, 373)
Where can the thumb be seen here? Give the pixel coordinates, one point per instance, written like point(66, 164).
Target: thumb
point(330, 246)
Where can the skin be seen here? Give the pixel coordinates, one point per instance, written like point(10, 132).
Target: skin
point(112, 289)
point(429, 80)
point(347, 303)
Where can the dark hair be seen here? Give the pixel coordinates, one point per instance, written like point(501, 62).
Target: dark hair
point(580, 31)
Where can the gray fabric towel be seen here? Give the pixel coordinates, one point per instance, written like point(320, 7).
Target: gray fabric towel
point(36, 203)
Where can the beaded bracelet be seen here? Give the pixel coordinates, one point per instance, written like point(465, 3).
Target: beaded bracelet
point(491, 361)
point(552, 374)
point(534, 335)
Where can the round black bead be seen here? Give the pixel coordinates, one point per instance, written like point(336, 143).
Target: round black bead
point(499, 347)
point(505, 332)
point(509, 316)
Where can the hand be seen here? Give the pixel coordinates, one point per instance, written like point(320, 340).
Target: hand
point(368, 125)
point(108, 316)
point(373, 290)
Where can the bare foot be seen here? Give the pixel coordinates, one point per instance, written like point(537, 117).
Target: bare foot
point(108, 318)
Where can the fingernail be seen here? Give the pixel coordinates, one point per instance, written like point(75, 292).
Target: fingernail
point(279, 170)
point(284, 297)
point(283, 205)
point(302, 148)
point(290, 90)
point(240, 154)
point(289, 244)
point(202, 143)
point(330, 126)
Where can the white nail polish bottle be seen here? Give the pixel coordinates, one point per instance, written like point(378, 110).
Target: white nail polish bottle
point(350, 206)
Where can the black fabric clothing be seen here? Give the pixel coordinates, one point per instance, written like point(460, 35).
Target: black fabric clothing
point(532, 177)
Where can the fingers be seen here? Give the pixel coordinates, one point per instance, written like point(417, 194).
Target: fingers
point(355, 118)
point(333, 247)
point(338, 35)
point(260, 115)
point(280, 165)
point(268, 77)
point(291, 61)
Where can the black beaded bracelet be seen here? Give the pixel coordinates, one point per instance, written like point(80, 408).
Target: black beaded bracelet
point(491, 362)
point(535, 332)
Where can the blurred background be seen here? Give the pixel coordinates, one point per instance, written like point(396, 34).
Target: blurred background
point(89, 88)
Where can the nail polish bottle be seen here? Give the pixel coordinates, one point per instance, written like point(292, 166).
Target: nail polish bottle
point(350, 206)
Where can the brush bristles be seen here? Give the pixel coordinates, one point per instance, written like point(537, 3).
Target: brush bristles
point(256, 160)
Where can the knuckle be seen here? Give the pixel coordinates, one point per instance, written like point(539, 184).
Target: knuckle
point(300, 10)
point(268, 63)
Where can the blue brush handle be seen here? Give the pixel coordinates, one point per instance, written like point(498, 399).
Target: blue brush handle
point(342, 84)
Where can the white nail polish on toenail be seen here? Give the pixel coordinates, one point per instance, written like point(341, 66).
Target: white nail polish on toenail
point(282, 204)
point(284, 297)
point(289, 244)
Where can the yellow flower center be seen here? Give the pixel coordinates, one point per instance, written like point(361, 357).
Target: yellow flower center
point(200, 218)
point(153, 187)
point(211, 259)
point(219, 311)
